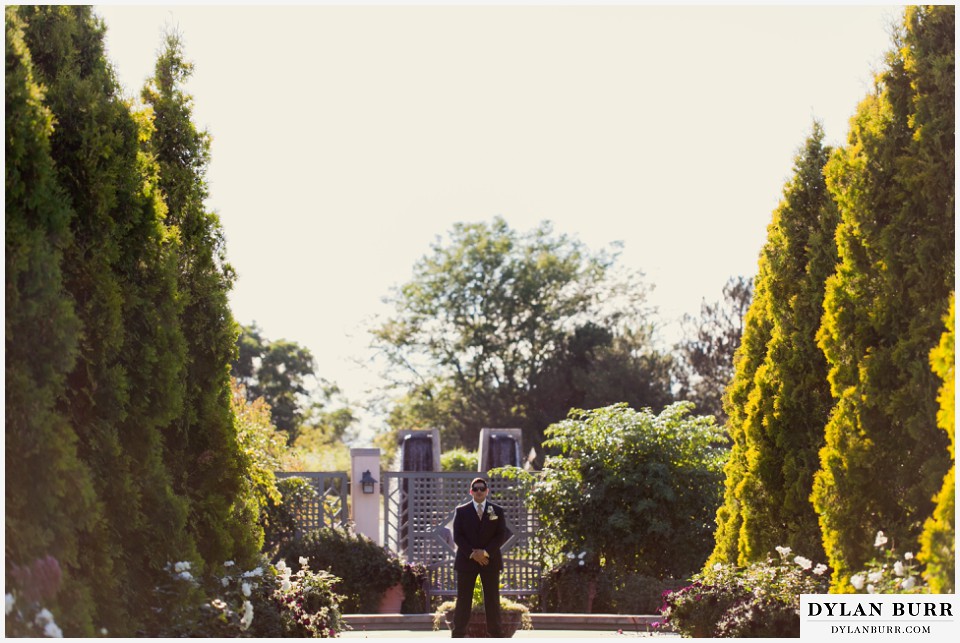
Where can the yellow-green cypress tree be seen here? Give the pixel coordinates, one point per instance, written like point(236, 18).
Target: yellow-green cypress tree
point(938, 541)
point(50, 503)
point(779, 400)
point(884, 457)
point(119, 268)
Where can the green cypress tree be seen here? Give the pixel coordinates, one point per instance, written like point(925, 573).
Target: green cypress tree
point(779, 400)
point(938, 541)
point(202, 448)
point(50, 499)
point(884, 457)
point(120, 270)
point(791, 401)
point(748, 358)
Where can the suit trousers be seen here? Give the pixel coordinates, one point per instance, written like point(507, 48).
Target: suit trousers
point(490, 581)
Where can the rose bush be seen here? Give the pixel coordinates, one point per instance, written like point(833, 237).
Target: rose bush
point(763, 599)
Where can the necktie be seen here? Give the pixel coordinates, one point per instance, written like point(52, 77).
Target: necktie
point(480, 512)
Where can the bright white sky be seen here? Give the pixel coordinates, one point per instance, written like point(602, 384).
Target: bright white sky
point(347, 138)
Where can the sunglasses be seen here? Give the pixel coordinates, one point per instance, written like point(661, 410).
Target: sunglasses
point(479, 488)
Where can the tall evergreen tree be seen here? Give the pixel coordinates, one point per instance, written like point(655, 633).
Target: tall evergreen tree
point(50, 499)
point(780, 400)
point(884, 457)
point(202, 452)
point(939, 536)
point(119, 268)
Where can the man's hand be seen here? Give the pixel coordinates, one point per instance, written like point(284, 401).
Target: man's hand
point(480, 556)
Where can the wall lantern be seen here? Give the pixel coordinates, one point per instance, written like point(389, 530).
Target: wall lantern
point(367, 482)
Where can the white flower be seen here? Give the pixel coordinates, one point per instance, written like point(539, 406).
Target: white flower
point(857, 581)
point(875, 577)
point(898, 568)
point(881, 540)
point(225, 581)
point(908, 582)
point(186, 576)
point(52, 631)
point(304, 560)
point(219, 604)
point(582, 554)
point(806, 563)
point(245, 588)
point(247, 617)
point(229, 563)
point(571, 555)
point(281, 565)
point(43, 617)
point(717, 567)
point(908, 555)
point(103, 631)
point(783, 551)
point(10, 601)
point(819, 569)
point(285, 585)
point(181, 567)
point(871, 589)
point(581, 563)
point(258, 571)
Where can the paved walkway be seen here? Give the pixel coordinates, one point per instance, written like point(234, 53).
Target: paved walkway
point(580, 626)
point(521, 634)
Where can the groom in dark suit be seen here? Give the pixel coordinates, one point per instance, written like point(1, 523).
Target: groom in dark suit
point(479, 532)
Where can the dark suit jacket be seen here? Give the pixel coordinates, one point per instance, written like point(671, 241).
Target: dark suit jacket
point(470, 532)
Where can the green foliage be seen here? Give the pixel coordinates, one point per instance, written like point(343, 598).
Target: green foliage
point(705, 357)
point(459, 460)
point(118, 332)
point(884, 458)
point(938, 540)
point(498, 328)
point(779, 401)
point(366, 570)
point(50, 498)
point(634, 490)
point(759, 600)
point(119, 267)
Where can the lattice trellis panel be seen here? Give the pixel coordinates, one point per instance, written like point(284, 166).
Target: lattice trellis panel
point(419, 509)
point(329, 509)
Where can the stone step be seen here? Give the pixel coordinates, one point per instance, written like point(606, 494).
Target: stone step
point(424, 622)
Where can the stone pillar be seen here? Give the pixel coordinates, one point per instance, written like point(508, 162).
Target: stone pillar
point(484, 459)
point(365, 507)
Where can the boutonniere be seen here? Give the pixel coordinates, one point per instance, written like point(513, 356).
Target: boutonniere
point(491, 515)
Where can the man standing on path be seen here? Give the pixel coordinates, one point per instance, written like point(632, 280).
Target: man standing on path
point(479, 532)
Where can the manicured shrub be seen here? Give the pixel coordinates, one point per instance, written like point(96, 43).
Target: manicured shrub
point(365, 568)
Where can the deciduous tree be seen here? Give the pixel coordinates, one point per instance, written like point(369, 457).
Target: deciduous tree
point(498, 328)
point(705, 357)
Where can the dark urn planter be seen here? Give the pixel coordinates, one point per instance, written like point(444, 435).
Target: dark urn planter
point(510, 622)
